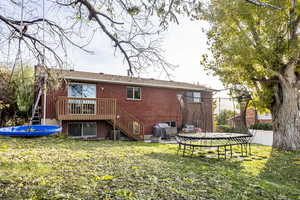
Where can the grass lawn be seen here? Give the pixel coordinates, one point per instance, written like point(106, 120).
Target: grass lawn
point(58, 168)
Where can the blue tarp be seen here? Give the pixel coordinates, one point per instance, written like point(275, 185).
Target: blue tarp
point(28, 131)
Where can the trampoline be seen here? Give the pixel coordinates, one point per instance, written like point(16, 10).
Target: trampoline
point(188, 142)
point(30, 131)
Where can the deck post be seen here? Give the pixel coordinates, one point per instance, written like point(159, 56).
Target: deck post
point(115, 120)
point(60, 124)
point(114, 130)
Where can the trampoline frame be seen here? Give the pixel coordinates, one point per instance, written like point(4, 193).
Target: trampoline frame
point(189, 142)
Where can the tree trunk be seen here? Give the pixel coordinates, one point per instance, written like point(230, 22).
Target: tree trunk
point(243, 111)
point(285, 115)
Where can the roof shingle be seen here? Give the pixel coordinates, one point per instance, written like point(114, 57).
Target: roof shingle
point(101, 77)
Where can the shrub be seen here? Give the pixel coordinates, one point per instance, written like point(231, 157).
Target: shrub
point(261, 126)
point(228, 129)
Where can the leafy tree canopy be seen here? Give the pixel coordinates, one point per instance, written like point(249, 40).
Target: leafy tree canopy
point(251, 45)
point(16, 92)
point(256, 44)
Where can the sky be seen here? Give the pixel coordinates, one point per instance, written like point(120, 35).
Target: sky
point(184, 44)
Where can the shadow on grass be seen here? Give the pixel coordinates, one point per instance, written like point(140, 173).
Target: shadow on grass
point(197, 160)
point(282, 172)
point(69, 143)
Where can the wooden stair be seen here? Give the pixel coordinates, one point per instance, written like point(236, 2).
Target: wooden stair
point(128, 124)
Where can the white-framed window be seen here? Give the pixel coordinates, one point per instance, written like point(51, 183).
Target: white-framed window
point(197, 97)
point(194, 97)
point(82, 129)
point(133, 93)
point(82, 106)
point(82, 90)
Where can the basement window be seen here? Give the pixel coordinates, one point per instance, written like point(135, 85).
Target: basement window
point(85, 129)
point(134, 93)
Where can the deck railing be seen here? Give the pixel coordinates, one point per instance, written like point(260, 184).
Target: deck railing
point(68, 108)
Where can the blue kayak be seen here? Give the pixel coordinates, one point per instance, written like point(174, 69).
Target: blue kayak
point(29, 131)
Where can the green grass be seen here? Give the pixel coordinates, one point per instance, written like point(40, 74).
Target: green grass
point(57, 168)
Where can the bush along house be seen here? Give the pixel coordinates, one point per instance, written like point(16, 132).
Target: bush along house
point(91, 105)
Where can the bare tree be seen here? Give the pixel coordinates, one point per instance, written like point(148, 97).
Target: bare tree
point(133, 26)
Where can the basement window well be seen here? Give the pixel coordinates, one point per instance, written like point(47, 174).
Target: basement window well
point(84, 129)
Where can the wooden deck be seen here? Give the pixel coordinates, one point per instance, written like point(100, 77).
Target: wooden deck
point(100, 109)
point(85, 108)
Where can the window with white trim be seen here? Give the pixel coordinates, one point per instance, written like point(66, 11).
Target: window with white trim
point(134, 93)
point(82, 106)
point(193, 97)
point(85, 129)
point(196, 97)
point(81, 90)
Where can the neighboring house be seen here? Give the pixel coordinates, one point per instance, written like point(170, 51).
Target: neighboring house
point(252, 117)
point(92, 104)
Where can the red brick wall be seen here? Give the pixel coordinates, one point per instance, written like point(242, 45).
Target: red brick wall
point(156, 105)
point(265, 121)
point(52, 95)
point(250, 117)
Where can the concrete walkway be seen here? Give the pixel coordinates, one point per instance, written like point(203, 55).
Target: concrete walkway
point(262, 137)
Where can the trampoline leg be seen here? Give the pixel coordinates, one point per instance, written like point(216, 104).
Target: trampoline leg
point(230, 151)
point(179, 148)
point(246, 149)
point(183, 150)
point(250, 149)
point(192, 151)
point(242, 150)
point(225, 152)
point(218, 153)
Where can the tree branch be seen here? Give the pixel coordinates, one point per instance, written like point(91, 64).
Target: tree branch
point(259, 3)
point(93, 14)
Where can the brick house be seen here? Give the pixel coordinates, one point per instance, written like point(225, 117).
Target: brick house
point(92, 104)
point(252, 117)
